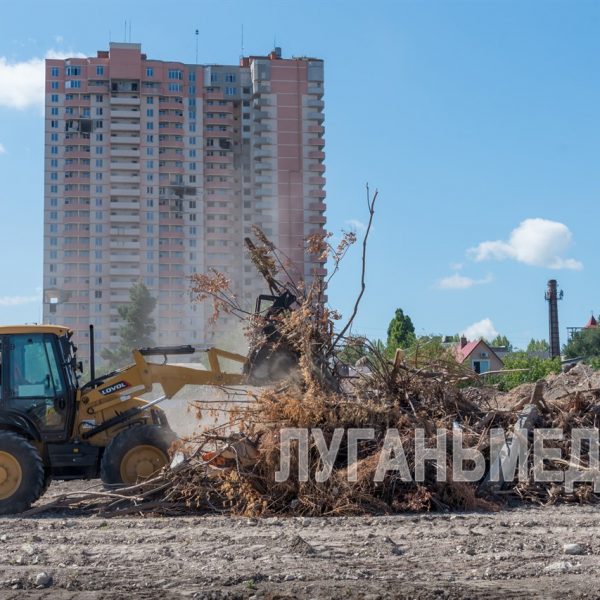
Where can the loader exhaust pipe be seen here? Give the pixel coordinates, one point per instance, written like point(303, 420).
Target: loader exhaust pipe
point(92, 355)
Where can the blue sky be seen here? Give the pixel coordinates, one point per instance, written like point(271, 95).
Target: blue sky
point(479, 123)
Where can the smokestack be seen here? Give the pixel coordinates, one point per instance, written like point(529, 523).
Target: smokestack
point(463, 341)
point(553, 295)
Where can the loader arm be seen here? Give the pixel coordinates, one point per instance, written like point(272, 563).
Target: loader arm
point(139, 377)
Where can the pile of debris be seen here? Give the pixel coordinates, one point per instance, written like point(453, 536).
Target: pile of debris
point(239, 472)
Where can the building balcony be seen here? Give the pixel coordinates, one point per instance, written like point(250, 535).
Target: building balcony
point(116, 284)
point(116, 217)
point(316, 141)
point(124, 153)
point(171, 130)
point(125, 178)
point(317, 194)
point(316, 129)
point(118, 126)
point(124, 166)
point(125, 191)
point(116, 244)
point(318, 104)
point(124, 139)
point(318, 154)
point(125, 205)
point(263, 179)
point(124, 271)
point(317, 206)
point(259, 115)
point(124, 258)
point(262, 141)
point(316, 168)
point(315, 116)
point(124, 114)
point(317, 220)
point(124, 101)
point(317, 180)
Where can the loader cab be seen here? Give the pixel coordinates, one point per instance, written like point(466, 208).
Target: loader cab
point(38, 383)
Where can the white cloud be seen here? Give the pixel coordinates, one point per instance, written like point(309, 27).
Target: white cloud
point(482, 329)
point(462, 282)
point(2, 149)
point(535, 242)
point(22, 83)
point(356, 224)
point(19, 300)
point(59, 39)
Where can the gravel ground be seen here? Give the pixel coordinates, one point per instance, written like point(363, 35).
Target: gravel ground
point(509, 554)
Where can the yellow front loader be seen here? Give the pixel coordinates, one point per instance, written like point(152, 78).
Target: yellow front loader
point(53, 428)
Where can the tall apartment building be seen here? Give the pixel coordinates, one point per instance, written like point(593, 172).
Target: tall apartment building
point(156, 170)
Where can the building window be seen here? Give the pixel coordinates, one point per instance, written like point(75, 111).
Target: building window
point(98, 110)
point(149, 151)
point(98, 137)
point(54, 163)
point(54, 71)
point(54, 189)
point(229, 77)
point(150, 100)
point(150, 139)
point(72, 71)
point(54, 137)
point(174, 87)
point(53, 201)
point(54, 97)
point(54, 124)
point(175, 74)
point(53, 149)
point(99, 70)
point(73, 84)
point(99, 98)
point(99, 162)
point(230, 91)
point(98, 191)
point(214, 77)
point(149, 112)
point(149, 72)
point(54, 85)
point(149, 125)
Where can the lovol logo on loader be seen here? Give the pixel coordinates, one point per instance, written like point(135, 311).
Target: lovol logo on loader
point(115, 387)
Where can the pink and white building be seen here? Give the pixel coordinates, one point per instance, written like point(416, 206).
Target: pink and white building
point(155, 170)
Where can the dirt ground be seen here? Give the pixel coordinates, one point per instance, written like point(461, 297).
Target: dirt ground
point(509, 554)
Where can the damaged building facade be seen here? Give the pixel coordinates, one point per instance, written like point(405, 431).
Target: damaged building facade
point(156, 170)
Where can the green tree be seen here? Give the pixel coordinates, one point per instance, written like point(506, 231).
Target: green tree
point(401, 332)
point(585, 343)
point(535, 368)
point(501, 341)
point(138, 326)
point(538, 346)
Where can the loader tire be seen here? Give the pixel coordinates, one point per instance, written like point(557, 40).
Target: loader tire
point(21, 473)
point(135, 454)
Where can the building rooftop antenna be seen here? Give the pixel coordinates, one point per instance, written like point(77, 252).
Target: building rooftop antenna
point(196, 34)
point(242, 40)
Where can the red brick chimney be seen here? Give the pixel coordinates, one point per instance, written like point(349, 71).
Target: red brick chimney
point(463, 341)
